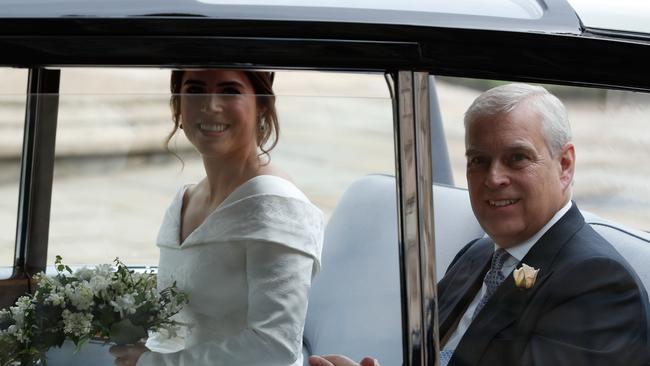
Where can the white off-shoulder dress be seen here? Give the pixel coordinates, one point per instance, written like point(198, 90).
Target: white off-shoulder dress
point(247, 270)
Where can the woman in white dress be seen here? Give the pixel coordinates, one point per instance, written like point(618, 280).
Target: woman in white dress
point(244, 242)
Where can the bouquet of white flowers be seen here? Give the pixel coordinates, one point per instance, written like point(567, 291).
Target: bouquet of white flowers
point(108, 302)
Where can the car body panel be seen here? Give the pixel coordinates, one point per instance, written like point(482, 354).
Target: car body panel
point(551, 16)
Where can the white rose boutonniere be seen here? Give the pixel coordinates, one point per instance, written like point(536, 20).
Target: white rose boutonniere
point(525, 276)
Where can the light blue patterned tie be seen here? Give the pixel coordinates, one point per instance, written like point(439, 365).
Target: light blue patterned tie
point(493, 278)
point(445, 356)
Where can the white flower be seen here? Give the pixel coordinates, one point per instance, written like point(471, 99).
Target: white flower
point(172, 307)
point(23, 304)
point(88, 290)
point(55, 299)
point(84, 274)
point(124, 304)
point(151, 295)
point(98, 284)
point(119, 287)
point(81, 295)
point(76, 324)
point(38, 277)
point(104, 270)
point(44, 280)
point(525, 276)
point(18, 333)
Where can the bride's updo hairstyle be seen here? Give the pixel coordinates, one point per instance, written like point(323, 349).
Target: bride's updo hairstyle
point(267, 123)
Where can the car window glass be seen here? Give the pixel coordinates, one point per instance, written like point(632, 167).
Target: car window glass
point(611, 135)
point(113, 179)
point(12, 120)
point(104, 201)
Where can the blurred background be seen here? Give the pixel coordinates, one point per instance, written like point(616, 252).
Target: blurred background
point(114, 179)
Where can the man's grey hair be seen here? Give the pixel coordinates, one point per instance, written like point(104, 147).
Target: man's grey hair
point(505, 98)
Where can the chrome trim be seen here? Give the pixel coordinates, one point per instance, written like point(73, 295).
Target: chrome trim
point(426, 218)
point(409, 233)
point(414, 193)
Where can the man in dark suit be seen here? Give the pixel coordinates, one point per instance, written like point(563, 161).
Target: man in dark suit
point(542, 287)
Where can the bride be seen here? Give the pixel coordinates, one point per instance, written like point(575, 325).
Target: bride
point(244, 243)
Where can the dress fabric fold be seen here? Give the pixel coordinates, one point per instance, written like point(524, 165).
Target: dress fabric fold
point(247, 270)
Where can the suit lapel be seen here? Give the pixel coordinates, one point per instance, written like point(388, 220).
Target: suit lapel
point(508, 302)
point(457, 289)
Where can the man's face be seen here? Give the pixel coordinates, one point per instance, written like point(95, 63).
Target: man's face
point(515, 185)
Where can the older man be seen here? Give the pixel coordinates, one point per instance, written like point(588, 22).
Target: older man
point(576, 301)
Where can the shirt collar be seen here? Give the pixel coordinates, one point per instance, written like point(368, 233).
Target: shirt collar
point(520, 250)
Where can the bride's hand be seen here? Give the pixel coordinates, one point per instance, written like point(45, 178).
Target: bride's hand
point(127, 355)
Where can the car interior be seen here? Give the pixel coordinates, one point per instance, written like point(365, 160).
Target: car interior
point(354, 305)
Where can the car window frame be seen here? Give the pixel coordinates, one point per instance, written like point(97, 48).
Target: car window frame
point(407, 53)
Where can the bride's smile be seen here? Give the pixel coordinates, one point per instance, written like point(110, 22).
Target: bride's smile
point(212, 128)
point(224, 108)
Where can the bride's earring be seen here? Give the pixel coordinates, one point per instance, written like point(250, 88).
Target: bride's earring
point(261, 125)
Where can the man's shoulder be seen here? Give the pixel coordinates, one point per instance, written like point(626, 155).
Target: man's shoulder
point(476, 244)
point(589, 256)
point(478, 247)
point(586, 244)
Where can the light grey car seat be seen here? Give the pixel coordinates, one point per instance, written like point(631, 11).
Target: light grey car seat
point(354, 304)
point(354, 307)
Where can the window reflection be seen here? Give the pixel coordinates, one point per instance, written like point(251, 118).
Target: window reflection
point(12, 117)
point(113, 177)
point(611, 134)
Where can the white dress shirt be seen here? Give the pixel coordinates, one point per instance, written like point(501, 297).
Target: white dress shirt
point(517, 253)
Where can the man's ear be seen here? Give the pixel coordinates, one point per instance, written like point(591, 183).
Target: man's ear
point(567, 164)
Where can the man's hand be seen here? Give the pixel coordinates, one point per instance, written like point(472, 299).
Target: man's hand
point(127, 355)
point(340, 360)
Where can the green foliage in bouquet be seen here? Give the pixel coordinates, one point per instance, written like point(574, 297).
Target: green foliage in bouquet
point(108, 302)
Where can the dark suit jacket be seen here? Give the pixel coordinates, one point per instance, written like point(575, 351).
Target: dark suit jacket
point(587, 306)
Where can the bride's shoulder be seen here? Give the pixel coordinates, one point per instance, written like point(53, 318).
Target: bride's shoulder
point(275, 186)
point(275, 171)
point(270, 193)
point(271, 180)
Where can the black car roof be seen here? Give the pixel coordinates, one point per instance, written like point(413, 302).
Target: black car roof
point(188, 33)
